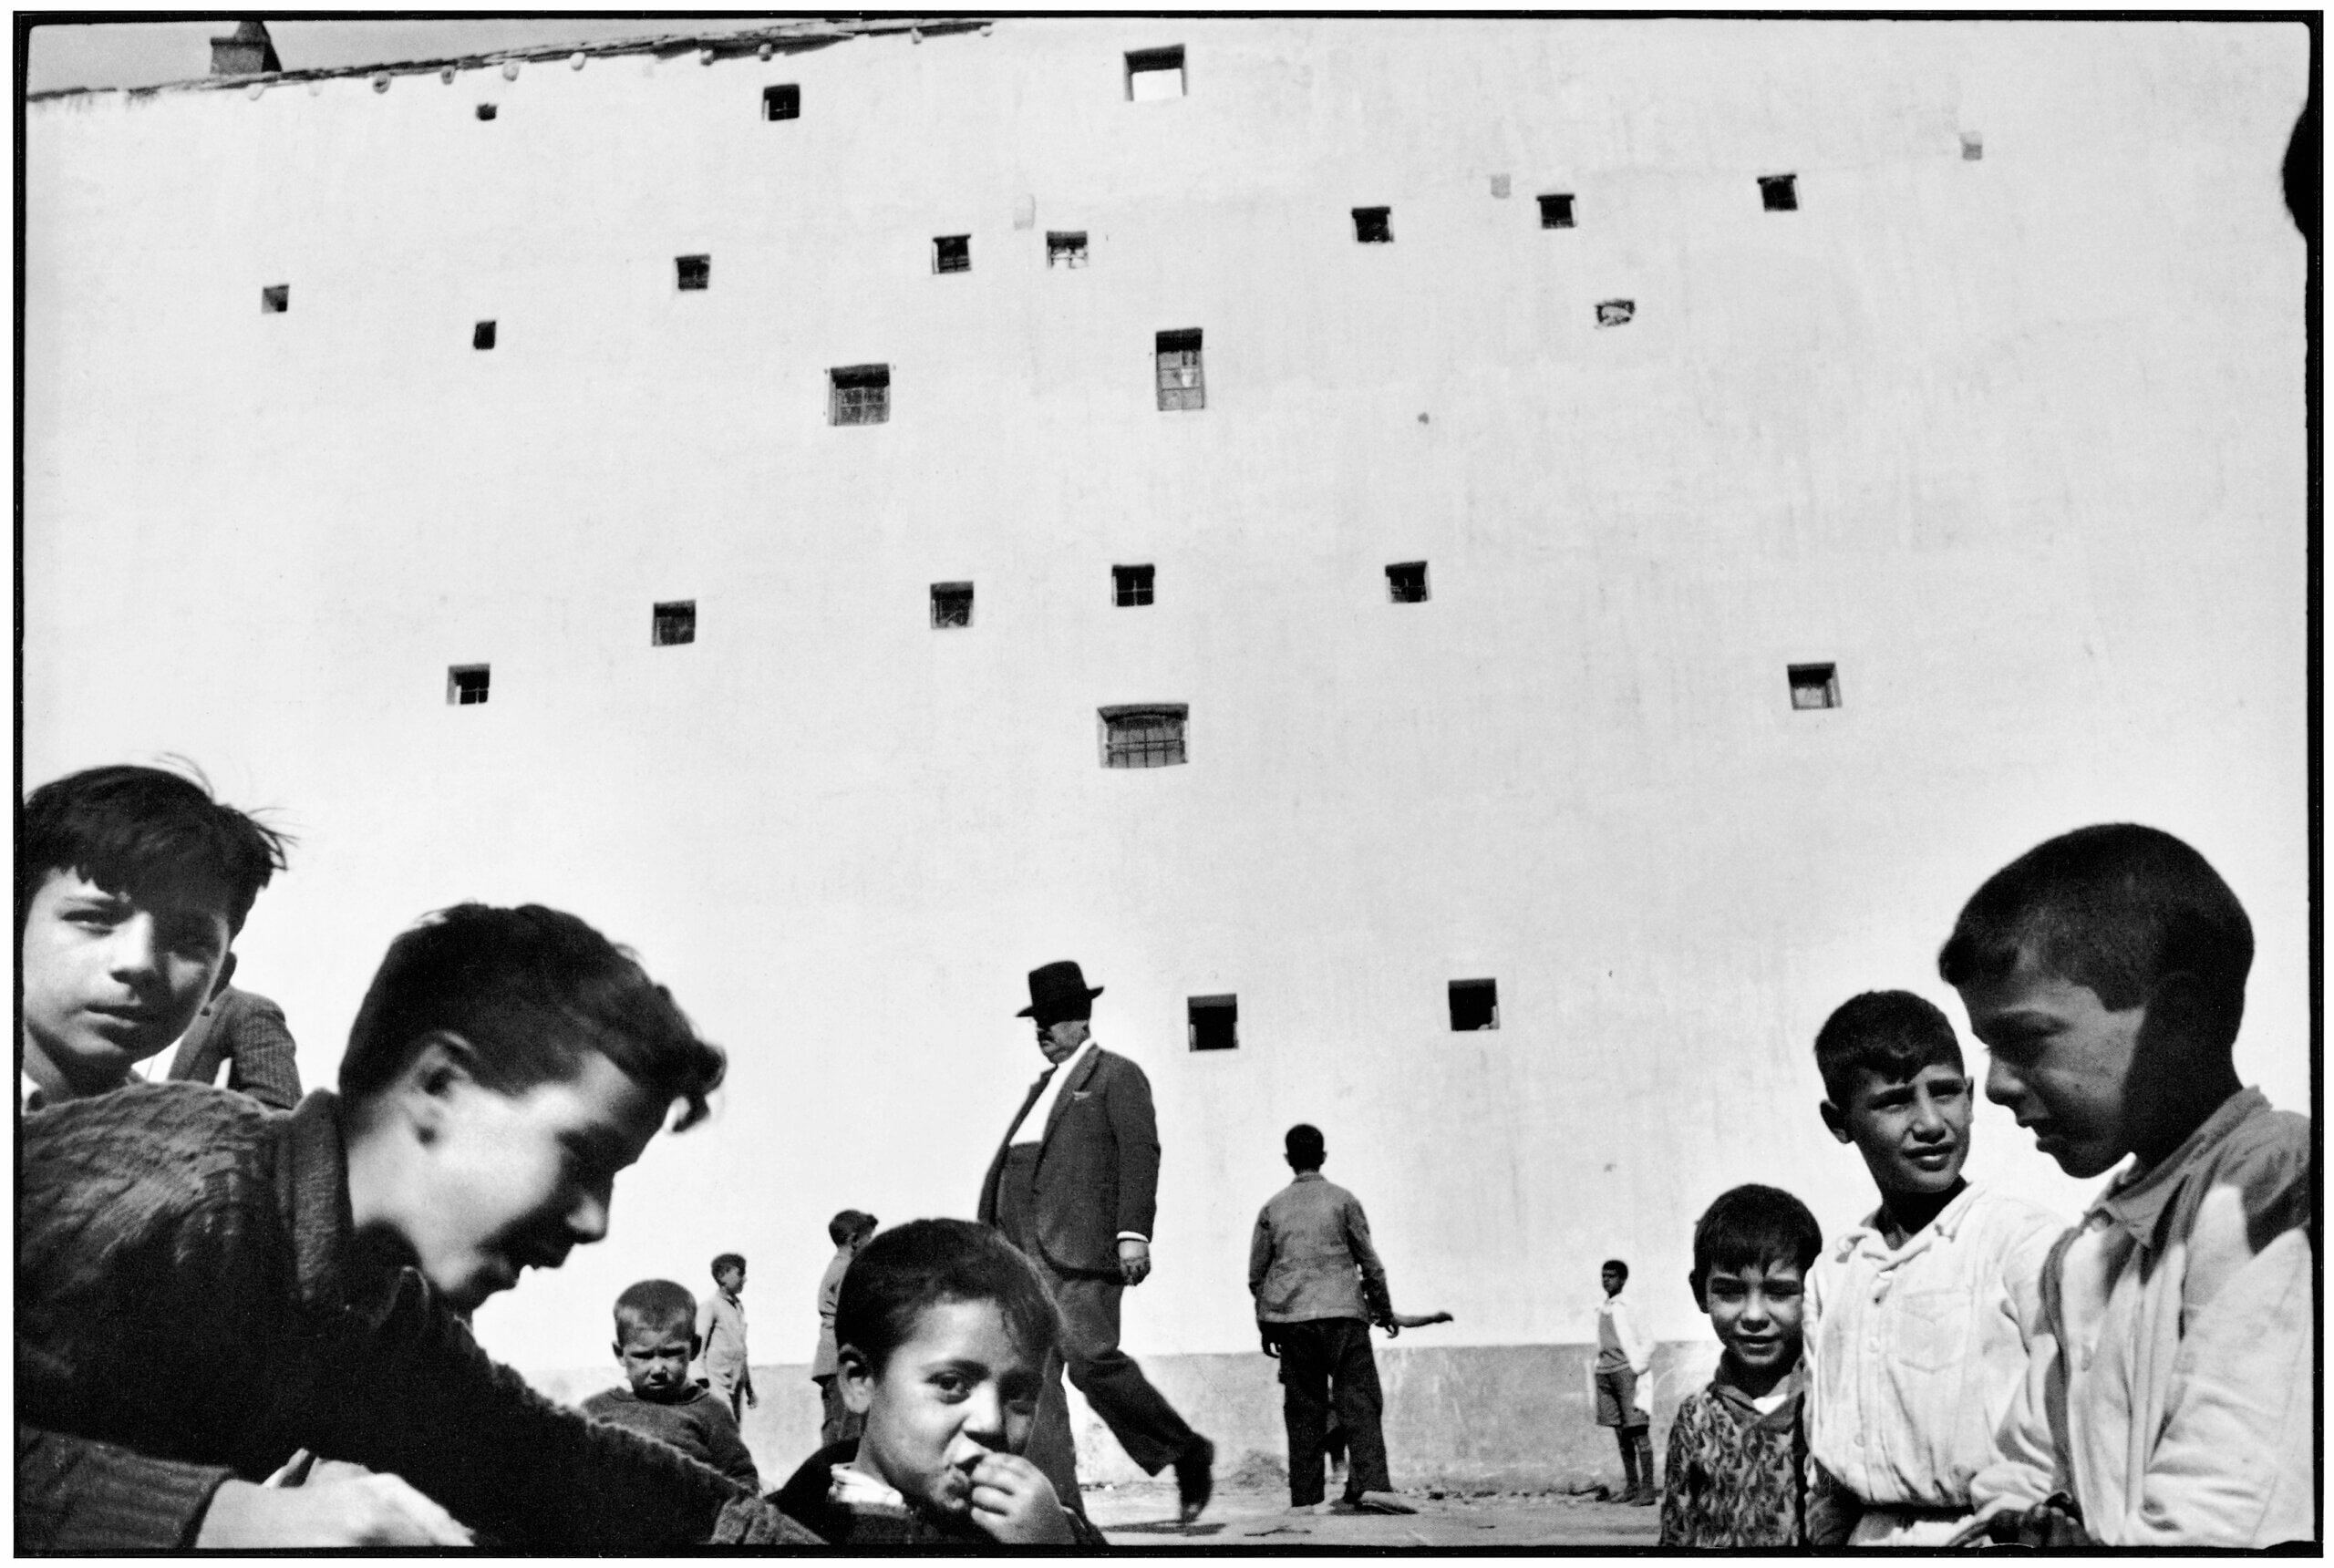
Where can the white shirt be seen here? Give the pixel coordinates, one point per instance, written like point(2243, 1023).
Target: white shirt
point(1915, 1353)
point(2183, 1349)
point(1033, 1125)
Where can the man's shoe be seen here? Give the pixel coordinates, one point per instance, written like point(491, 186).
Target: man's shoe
point(1195, 1479)
point(1382, 1502)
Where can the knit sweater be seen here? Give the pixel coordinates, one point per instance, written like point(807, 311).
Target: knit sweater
point(696, 1423)
point(193, 1303)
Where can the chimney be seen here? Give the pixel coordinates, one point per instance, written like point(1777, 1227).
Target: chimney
point(246, 52)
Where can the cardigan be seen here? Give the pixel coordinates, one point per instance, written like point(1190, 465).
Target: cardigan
point(193, 1304)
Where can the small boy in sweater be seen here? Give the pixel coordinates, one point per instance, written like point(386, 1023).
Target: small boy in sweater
point(1738, 1473)
point(656, 1340)
point(849, 1231)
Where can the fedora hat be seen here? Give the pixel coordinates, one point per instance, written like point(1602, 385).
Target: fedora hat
point(1059, 991)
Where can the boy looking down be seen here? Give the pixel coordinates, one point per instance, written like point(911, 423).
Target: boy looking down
point(204, 1287)
point(2168, 1401)
point(656, 1340)
point(1917, 1319)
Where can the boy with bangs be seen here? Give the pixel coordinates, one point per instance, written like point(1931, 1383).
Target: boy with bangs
point(131, 885)
point(2169, 1399)
point(1918, 1319)
point(205, 1287)
point(943, 1331)
point(656, 1340)
point(1739, 1475)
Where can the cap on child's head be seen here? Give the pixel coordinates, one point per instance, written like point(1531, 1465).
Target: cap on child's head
point(848, 1225)
point(1303, 1147)
point(655, 1304)
point(724, 1262)
point(127, 828)
point(1753, 1226)
point(912, 1268)
point(533, 992)
point(1892, 1033)
point(2114, 908)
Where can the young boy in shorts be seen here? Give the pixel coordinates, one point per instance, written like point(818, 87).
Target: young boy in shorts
point(1738, 1473)
point(204, 1287)
point(131, 885)
point(2169, 1400)
point(655, 1341)
point(1623, 1391)
point(1917, 1319)
point(849, 1231)
point(942, 1333)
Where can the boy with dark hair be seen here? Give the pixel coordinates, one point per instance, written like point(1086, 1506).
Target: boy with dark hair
point(1318, 1286)
point(943, 1330)
point(131, 885)
point(2169, 1399)
point(204, 1287)
point(1619, 1384)
point(721, 1337)
point(1738, 1473)
point(655, 1340)
point(849, 1231)
point(1918, 1319)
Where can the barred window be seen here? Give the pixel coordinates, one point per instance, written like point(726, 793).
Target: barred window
point(1149, 736)
point(1373, 225)
point(465, 685)
point(275, 299)
point(1214, 1022)
point(483, 334)
point(1779, 192)
point(952, 253)
point(1181, 385)
point(1555, 212)
point(952, 604)
point(672, 623)
point(693, 272)
point(859, 394)
point(1130, 585)
point(783, 102)
point(1815, 685)
point(1406, 582)
point(1064, 249)
point(1474, 1004)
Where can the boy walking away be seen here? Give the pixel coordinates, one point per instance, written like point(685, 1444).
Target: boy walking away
point(1738, 1473)
point(1623, 1389)
point(943, 1330)
point(1318, 1286)
point(721, 1332)
point(1918, 1319)
point(131, 885)
point(204, 1286)
point(849, 1231)
point(656, 1340)
point(2169, 1399)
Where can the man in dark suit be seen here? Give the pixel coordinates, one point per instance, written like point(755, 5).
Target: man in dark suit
point(247, 1032)
point(1075, 1185)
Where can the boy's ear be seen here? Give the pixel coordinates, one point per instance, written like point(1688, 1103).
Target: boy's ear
point(855, 1377)
point(1694, 1284)
point(441, 1064)
point(1836, 1119)
point(619, 1348)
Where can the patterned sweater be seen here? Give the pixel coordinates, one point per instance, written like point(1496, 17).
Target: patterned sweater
point(1741, 1476)
point(193, 1305)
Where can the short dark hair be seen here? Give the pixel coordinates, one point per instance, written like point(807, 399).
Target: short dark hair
point(1754, 1226)
point(1615, 1266)
point(724, 1262)
point(1304, 1146)
point(848, 1223)
point(656, 1303)
point(127, 828)
point(533, 991)
point(2115, 908)
point(924, 1263)
point(1893, 1033)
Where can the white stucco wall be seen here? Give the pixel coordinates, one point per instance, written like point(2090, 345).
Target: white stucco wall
point(2017, 442)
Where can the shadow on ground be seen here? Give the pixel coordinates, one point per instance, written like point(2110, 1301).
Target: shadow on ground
point(1242, 1515)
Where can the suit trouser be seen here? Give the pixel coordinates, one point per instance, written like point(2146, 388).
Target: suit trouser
point(1138, 1415)
point(1326, 1361)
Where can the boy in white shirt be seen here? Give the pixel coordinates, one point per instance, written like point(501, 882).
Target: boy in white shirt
point(1621, 1388)
point(1918, 1319)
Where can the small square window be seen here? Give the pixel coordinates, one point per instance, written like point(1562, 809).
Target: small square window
point(275, 299)
point(1406, 582)
point(672, 623)
point(859, 394)
point(1779, 192)
point(1214, 1022)
point(1373, 225)
point(952, 253)
point(952, 604)
point(1154, 74)
point(488, 111)
point(1065, 249)
point(1474, 1004)
point(694, 272)
point(1616, 312)
point(1555, 210)
point(483, 334)
point(1130, 585)
point(1150, 735)
point(1181, 385)
point(1814, 685)
point(783, 102)
point(465, 685)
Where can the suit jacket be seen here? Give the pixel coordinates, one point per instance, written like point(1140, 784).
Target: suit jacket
point(1098, 1166)
point(248, 1032)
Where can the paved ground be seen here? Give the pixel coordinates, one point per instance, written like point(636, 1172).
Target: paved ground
point(1246, 1516)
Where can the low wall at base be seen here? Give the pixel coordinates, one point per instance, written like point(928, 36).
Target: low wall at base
point(1509, 1417)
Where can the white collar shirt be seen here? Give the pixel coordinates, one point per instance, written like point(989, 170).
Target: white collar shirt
point(1033, 1125)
